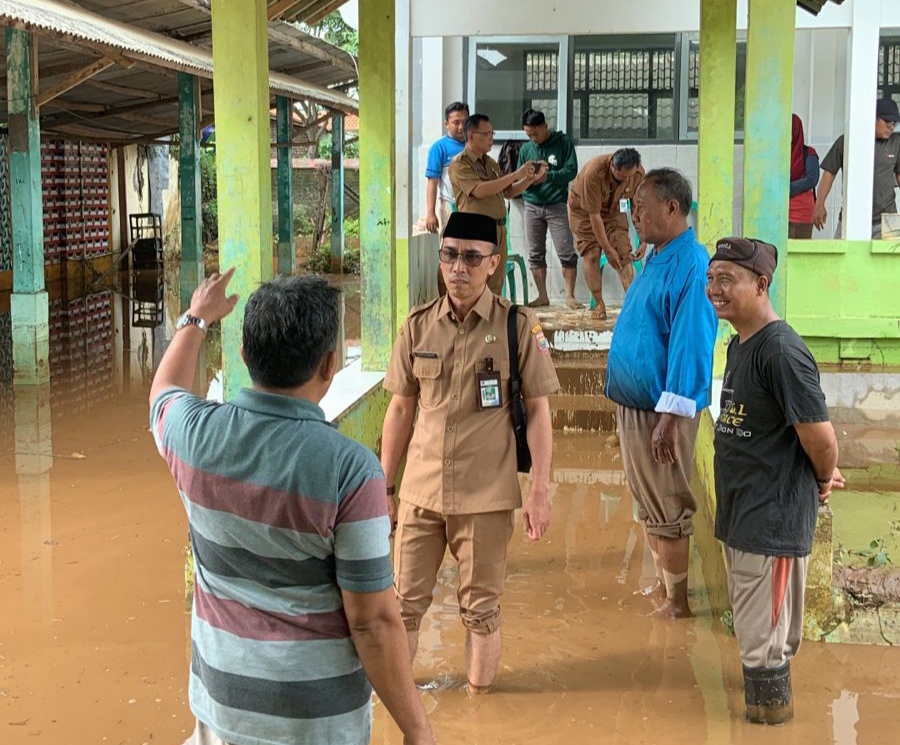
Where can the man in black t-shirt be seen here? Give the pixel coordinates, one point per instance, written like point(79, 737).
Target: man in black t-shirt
point(775, 462)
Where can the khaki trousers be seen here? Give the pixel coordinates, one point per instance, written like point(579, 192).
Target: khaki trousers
point(766, 594)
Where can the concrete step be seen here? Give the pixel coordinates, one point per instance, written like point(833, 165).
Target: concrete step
point(586, 458)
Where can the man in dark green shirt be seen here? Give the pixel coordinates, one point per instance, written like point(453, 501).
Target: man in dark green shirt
point(545, 204)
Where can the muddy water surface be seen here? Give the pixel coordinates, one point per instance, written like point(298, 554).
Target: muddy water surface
point(94, 637)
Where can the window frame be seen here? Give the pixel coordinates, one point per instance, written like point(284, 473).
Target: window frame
point(627, 42)
point(684, 135)
point(562, 87)
point(887, 36)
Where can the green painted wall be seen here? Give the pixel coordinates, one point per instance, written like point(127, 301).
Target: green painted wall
point(362, 421)
point(842, 297)
point(376, 181)
point(284, 128)
point(767, 127)
point(243, 171)
point(715, 136)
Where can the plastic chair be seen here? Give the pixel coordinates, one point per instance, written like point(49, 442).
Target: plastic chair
point(509, 282)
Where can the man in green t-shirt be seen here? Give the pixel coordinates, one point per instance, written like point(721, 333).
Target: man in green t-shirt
point(545, 204)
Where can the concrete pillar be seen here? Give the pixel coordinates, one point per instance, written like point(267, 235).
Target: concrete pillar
point(715, 178)
point(191, 270)
point(859, 127)
point(403, 178)
point(284, 129)
point(243, 170)
point(337, 192)
point(767, 130)
point(376, 180)
point(29, 302)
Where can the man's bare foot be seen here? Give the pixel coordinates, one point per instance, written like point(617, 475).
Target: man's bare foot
point(474, 690)
point(541, 302)
point(656, 591)
point(573, 303)
point(599, 313)
point(671, 611)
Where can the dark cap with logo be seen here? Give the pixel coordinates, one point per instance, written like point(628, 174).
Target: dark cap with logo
point(469, 226)
point(886, 110)
point(758, 256)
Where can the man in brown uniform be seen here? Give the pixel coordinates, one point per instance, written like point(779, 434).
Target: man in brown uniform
point(480, 186)
point(451, 364)
point(598, 195)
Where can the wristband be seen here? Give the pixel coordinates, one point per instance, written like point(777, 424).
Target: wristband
point(824, 481)
point(391, 490)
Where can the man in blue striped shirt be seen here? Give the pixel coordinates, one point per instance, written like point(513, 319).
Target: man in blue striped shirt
point(293, 613)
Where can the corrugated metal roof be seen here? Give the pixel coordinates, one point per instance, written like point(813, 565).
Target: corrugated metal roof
point(75, 25)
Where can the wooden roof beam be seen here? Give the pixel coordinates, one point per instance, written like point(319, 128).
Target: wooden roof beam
point(281, 7)
point(323, 10)
point(75, 79)
point(124, 90)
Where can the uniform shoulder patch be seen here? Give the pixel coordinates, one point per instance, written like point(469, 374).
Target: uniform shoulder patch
point(539, 339)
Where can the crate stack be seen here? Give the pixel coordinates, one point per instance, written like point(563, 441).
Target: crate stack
point(76, 199)
point(81, 352)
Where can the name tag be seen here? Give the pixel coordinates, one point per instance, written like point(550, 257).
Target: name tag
point(489, 395)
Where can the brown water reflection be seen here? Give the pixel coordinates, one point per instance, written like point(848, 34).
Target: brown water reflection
point(94, 640)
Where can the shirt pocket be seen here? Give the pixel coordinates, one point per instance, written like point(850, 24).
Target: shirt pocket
point(428, 373)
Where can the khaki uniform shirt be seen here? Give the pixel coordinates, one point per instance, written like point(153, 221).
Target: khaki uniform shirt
point(595, 191)
point(462, 460)
point(466, 171)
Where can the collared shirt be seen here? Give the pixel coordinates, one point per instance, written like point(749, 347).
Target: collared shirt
point(595, 191)
point(440, 154)
point(884, 177)
point(468, 170)
point(462, 460)
point(284, 512)
point(661, 354)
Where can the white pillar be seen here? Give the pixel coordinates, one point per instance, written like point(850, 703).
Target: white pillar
point(453, 69)
point(433, 99)
point(859, 130)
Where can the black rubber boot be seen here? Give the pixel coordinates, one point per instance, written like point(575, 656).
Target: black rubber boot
point(768, 695)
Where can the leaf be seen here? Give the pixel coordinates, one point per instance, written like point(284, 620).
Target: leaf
point(874, 544)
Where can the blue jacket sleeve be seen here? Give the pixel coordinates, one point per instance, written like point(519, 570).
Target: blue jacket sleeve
point(692, 337)
point(434, 166)
point(810, 176)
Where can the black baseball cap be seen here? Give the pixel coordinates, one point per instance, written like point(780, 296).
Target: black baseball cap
point(758, 256)
point(886, 110)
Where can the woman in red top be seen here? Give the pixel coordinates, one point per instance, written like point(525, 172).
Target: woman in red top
point(804, 177)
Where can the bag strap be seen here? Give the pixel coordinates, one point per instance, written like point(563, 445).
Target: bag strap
point(512, 335)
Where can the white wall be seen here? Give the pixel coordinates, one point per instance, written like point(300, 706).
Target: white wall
point(480, 18)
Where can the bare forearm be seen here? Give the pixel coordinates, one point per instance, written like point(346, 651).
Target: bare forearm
point(540, 441)
point(179, 364)
point(824, 459)
point(395, 435)
point(517, 188)
point(382, 647)
point(497, 186)
point(824, 189)
point(431, 191)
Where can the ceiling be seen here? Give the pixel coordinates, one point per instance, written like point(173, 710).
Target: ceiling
point(108, 69)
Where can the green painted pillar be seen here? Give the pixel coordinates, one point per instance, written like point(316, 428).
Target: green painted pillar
point(29, 303)
point(376, 181)
point(191, 270)
point(337, 192)
point(284, 127)
point(243, 170)
point(715, 187)
point(767, 130)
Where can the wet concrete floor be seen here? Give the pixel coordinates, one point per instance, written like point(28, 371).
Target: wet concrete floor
point(94, 640)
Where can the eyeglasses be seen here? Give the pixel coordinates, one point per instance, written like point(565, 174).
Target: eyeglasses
point(470, 258)
point(889, 125)
point(489, 133)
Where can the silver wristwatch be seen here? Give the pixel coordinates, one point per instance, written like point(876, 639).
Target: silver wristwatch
point(186, 319)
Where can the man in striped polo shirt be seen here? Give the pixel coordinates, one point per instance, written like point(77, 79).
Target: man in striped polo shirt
point(293, 614)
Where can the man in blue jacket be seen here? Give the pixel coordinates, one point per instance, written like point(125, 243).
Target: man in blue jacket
point(660, 375)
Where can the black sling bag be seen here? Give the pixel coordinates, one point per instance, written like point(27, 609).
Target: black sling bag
point(519, 413)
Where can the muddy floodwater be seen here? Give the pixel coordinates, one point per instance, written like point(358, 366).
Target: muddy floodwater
point(94, 638)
